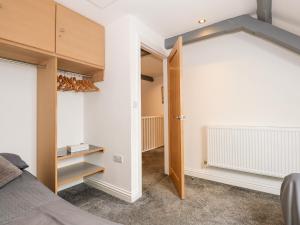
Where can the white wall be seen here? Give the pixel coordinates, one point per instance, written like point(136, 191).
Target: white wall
point(108, 114)
point(70, 125)
point(112, 118)
point(152, 97)
point(151, 91)
point(18, 111)
point(152, 65)
point(70, 117)
point(237, 79)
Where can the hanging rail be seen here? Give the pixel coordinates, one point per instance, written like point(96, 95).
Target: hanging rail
point(68, 73)
point(22, 62)
point(66, 81)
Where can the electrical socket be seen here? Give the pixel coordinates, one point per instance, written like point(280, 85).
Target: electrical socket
point(118, 158)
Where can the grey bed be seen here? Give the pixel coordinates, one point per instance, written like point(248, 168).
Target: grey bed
point(25, 201)
point(290, 199)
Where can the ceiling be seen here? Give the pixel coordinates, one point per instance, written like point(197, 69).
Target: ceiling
point(172, 17)
point(152, 66)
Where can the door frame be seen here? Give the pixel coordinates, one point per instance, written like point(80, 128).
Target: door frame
point(160, 53)
point(164, 57)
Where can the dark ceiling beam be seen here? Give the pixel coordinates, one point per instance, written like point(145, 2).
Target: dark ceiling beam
point(147, 78)
point(264, 10)
point(241, 23)
point(217, 29)
point(269, 32)
point(144, 53)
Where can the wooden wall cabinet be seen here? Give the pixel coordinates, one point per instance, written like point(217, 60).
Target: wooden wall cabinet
point(78, 37)
point(29, 32)
point(28, 22)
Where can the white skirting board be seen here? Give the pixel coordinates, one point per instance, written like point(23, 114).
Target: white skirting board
point(120, 193)
point(239, 179)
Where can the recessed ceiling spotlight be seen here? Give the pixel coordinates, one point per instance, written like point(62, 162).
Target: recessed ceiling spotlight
point(102, 4)
point(202, 21)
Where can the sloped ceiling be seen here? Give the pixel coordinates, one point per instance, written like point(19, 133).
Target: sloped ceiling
point(172, 17)
point(152, 66)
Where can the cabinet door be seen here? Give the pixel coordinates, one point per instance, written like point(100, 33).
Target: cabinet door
point(28, 22)
point(78, 37)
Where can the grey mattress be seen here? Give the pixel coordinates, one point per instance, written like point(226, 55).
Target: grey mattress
point(25, 201)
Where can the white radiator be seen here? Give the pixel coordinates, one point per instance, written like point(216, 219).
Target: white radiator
point(152, 132)
point(270, 151)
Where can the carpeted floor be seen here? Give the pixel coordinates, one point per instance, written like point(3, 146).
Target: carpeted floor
point(206, 202)
point(153, 168)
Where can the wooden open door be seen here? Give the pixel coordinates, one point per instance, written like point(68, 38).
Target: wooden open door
point(176, 156)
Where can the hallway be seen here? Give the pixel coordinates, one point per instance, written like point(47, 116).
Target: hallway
point(153, 167)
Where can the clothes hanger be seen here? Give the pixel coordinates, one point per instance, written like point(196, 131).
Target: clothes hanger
point(65, 83)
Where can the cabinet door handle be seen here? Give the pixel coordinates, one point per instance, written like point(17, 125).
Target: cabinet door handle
point(62, 30)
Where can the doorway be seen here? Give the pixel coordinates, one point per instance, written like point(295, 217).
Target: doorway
point(152, 115)
point(173, 117)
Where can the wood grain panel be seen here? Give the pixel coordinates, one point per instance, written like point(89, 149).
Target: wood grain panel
point(77, 66)
point(76, 172)
point(29, 22)
point(78, 37)
point(176, 156)
point(91, 150)
point(47, 124)
point(19, 52)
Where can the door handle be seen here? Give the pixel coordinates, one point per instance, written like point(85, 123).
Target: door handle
point(181, 117)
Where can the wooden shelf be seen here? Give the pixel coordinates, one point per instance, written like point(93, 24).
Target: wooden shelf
point(76, 66)
point(16, 43)
point(76, 172)
point(18, 52)
point(91, 150)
